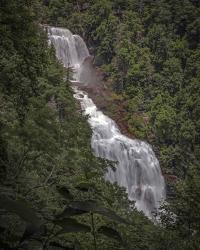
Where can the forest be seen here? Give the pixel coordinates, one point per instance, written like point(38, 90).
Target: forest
point(53, 194)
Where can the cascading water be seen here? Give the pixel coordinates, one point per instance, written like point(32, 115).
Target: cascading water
point(70, 49)
point(137, 168)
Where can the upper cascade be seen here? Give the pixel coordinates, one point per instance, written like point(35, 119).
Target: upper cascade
point(137, 168)
point(71, 50)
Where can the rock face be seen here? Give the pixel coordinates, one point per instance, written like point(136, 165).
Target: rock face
point(137, 168)
point(88, 74)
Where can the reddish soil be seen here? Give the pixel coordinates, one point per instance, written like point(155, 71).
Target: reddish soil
point(102, 96)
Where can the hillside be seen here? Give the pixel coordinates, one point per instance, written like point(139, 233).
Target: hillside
point(53, 194)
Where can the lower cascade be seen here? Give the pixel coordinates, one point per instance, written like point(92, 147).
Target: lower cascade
point(137, 168)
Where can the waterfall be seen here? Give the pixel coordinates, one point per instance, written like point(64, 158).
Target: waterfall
point(70, 49)
point(137, 168)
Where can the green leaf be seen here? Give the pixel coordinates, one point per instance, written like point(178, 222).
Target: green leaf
point(32, 230)
point(29, 232)
point(22, 209)
point(64, 191)
point(71, 225)
point(69, 211)
point(31, 244)
point(56, 245)
point(92, 206)
point(110, 232)
point(85, 186)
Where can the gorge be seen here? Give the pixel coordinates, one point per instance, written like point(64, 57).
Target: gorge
point(137, 168)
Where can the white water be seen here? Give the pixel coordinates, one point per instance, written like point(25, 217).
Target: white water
point(71, 50)
point(137, 168)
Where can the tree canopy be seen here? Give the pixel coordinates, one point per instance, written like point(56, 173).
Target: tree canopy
point(53, 194)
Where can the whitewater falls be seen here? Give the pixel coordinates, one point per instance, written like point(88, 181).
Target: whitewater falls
point(137, 168)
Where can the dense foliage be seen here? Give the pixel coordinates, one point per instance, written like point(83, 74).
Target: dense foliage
point(52, 191)
point(149, 51)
